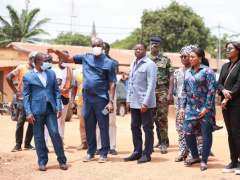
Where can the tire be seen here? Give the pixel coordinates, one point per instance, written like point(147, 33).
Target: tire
point(69, 113)
point(8, 110)
point(122, 110)
point(13, 113)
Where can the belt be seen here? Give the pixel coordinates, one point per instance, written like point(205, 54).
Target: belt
point(48, 103)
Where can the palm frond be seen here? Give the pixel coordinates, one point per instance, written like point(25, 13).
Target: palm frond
point(35, 32)
point(30, 20)
point(13, 14)
point(5, 42)
point(4, 22)
point(40, 23)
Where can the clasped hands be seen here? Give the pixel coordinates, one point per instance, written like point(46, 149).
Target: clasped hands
point(203, 113)
point(227, 96)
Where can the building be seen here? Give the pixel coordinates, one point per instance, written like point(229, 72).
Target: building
point(16, 53)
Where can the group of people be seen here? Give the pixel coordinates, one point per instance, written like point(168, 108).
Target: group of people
point(40, 78)
point(151, 81)
point(151, 85)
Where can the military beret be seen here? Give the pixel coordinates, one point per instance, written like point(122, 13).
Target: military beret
point(157, 39)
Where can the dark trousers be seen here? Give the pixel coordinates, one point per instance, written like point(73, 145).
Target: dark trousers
point(20, 124)
point(50, 119)
point(139, 119)
point(92, 114)
point(232, 121)
point(207, 142)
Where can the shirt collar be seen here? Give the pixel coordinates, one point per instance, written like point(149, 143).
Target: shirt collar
point(200, 67)
point(144, 59)
point(36, 71)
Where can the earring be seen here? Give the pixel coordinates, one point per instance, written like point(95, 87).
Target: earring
point(200, 60)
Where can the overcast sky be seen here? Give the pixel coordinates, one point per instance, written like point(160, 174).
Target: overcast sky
point(115, 19)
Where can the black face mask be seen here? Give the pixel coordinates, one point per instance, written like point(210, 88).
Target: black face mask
point(154, 47)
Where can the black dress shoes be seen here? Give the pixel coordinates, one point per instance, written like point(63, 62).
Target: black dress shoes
point(63, 166)
point(42, 167)
point(189, 163)
point(133, 157)
point(202, 168)
point(144, 159)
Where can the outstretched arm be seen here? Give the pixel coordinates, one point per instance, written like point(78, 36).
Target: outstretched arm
point(60, 54)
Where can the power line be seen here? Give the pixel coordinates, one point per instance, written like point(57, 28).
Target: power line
point(85, 32)
point(59, 23)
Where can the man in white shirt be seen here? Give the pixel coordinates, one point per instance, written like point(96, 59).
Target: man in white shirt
point(66, 86)
point(59, 80)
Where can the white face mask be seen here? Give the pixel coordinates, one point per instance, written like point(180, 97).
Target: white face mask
point(64, 64)
point(97, 51)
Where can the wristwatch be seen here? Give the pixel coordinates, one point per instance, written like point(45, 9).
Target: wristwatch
point(111, 101)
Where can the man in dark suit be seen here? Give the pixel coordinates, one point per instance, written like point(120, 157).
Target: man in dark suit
point(42, 104)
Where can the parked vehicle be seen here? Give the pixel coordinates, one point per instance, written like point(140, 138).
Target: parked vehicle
point(13, 108)
point(121, 99)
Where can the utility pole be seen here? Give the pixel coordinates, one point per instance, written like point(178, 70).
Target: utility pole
point(27, 5)
point(219, 50)
point(74, 13)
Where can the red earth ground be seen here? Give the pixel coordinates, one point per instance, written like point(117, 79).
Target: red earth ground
point(23, 164)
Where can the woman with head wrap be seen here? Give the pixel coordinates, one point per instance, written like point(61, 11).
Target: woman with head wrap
point(198, 106)
point(178, 85)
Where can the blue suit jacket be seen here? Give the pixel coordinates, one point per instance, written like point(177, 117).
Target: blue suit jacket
point(142, 84)
point(34, 93)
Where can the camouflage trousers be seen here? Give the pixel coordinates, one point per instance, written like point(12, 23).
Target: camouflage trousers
point(160, 113)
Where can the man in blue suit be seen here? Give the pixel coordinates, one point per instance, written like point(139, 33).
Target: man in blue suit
point(42, 104)
point(141, 99)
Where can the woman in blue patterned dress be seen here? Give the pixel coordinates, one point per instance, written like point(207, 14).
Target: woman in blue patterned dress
point(198, 106)
point(178, 86)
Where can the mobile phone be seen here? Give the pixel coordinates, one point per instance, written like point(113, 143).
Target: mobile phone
point(105, 111)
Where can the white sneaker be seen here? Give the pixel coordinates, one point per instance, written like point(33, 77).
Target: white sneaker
point(237, 171)
point(102, 159)
point(88, 158)
point(230, 168)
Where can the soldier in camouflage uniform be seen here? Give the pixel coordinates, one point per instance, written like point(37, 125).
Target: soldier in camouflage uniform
point(164, 89)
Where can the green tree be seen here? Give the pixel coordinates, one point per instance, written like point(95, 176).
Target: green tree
point(127, 43)
point(22, 27)
point(213, 42)
point(75, 39)
point(177, 26)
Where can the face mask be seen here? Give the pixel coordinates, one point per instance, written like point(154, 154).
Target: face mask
point(104, 53)
point(46, 66)
point(64, 64)
point(97, 51)
point(50, 66)
point(33, 64)
point(154, 47)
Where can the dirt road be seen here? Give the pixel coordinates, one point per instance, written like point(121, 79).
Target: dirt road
point(23, 164)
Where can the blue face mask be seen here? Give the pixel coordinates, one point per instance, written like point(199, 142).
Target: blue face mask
point(46, 66)
point(104, 53)
point(33, 64)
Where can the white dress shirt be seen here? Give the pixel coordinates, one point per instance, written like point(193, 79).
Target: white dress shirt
point(64, 77)
point(43, 78)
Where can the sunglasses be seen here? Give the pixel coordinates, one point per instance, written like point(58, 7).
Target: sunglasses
point(229, 49)
point(184, 57)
